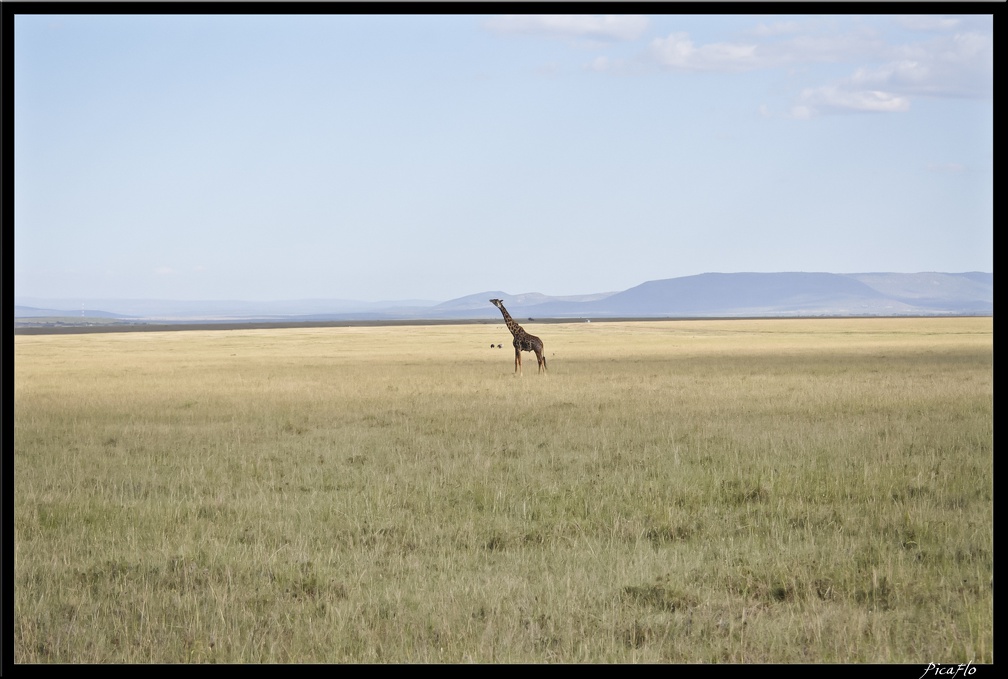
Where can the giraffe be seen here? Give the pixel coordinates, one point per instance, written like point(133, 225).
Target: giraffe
point(523, 341)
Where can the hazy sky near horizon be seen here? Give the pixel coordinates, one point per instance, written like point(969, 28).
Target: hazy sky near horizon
point(430, 157)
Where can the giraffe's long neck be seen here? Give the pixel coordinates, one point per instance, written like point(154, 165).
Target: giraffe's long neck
point(511, 324)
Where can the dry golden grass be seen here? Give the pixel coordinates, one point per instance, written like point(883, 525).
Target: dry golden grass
point(689, 491)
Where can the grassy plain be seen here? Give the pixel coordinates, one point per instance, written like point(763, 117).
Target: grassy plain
point(683, 491)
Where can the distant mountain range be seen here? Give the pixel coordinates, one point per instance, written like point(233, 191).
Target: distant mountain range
point(731, 295)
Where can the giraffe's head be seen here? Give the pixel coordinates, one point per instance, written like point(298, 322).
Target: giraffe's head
point(497, 302)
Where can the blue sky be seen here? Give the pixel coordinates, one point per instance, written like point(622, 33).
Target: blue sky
point(431, 157)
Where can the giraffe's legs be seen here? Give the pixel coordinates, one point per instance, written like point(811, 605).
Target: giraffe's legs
point(518, 368)
point(542, 361)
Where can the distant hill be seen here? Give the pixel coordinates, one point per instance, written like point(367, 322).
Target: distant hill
point(795, 294)
point(774, 294)
point(32, 312)
point(703, 295)
point(479, 301)
point(174, 310)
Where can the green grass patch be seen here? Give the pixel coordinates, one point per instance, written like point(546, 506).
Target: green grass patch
point(688, 491)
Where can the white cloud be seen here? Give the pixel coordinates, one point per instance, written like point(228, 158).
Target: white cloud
point(954, 58)
point(677, 51)
point(610, 27)
point(164, 271)
point(818, 48)
point(959, 65)
point(907, 71)
point(789, 43)
point(799, 46)
point(833, 99)
point(924, 22)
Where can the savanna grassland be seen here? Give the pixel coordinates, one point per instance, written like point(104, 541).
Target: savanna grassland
point(683, 491)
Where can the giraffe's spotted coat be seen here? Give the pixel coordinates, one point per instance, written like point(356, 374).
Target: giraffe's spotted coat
point(523, 341)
